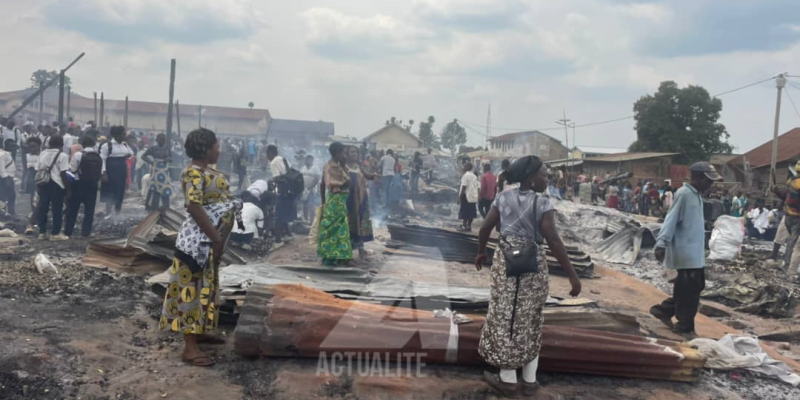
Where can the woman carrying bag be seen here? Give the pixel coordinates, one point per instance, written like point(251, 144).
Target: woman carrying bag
point(512, 334)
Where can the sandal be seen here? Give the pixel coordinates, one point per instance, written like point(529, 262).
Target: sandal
point(504, 389)
point(200, 361)
point(210, 339)
point(530, 389)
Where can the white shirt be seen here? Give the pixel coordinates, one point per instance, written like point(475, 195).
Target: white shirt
point(69, 140)
point(253, 219)
point(61, 165)
point(13, 134)
point(117, 150)
point(470, 181)
point(7, 167)
point(387, 165)
point(311, 176)
point(277, 166)
point(258, 187)
point(75, 162)
point(31, 159)
point(761, 221)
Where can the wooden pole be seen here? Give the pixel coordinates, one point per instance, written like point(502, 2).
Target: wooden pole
point(41, 106)
point(96, 122)
point(178, 116)
point(199, 115)
point(61, 98)
point(125, 117)
point(69, 97)
point(171, 99)
point(102, 110)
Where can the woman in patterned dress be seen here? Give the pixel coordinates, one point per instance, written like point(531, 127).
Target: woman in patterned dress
point(512, 334)
point(358, 203)
point(160, 190)
point(190, 305)
point(334, 245)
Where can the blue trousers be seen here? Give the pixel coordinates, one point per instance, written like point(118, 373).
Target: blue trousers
point(386, 184)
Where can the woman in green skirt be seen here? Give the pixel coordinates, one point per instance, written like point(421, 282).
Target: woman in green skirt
point(334, 245)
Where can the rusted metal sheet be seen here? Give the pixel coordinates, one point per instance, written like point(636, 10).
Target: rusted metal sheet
point(296, 321)
point(149, 247)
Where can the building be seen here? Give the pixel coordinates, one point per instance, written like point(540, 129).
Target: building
point(753, 167)
point(520, 144)
point(582, 152)
point(656, 167)
point(298, 132)
point(142, 115)
point(394, 137)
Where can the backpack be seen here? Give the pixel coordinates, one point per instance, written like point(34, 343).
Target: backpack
point(90, 168)
point(291, 183)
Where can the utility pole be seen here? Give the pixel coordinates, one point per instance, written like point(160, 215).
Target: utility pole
point(60, 98)
point(178, 116)
point(41, 105)
point(95, 110)
point(780, 83)
point(488, 126)
point(69, 96)
point(171, 99)
point(565, 121)
point(102, 110)
point(125, 116)
point(199, 115)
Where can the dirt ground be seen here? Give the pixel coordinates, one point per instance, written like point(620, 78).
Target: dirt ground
point(92, 334)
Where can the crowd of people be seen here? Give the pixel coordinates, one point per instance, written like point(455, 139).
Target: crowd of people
point(64, 167)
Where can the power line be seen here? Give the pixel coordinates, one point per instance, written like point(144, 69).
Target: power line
point(796, 86)
point(744, 87)
point(792, 101)
point(615, 119)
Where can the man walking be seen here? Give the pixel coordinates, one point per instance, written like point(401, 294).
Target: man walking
point(387, 166)
point(286, 205)
point(681, 246)
point(488, 190)
point(791, 219)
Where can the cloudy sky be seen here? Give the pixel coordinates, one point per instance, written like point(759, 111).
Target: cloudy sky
point(359, 62)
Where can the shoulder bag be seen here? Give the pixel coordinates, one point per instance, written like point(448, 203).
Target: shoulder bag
point(43, 176)
point(523, 259)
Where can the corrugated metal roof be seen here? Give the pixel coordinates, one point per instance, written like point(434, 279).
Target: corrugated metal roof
point(788, 148)
point(514, 135)
point(286, 127)
point(627, 157)
point(601, 150)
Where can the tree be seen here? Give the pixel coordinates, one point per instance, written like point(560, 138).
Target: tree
point(41, 76)
point(426, 134)
point(251, 105)
point(453, 136)
point(684, 121)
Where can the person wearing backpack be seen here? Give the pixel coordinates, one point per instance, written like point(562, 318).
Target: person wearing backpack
point(115, 154)
point(87, 167)
point(51, 179)
point(286, 206)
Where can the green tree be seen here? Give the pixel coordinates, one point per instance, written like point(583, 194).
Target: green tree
point(42, 76)
point(453, 136)
point(684, 121)
point(426, 134)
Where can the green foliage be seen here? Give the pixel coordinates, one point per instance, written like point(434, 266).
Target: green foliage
point(429, 139)
point(41, 76)
point(684, 121)
point(453, 136)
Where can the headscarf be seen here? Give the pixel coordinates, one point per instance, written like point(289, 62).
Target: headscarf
point(523, 168)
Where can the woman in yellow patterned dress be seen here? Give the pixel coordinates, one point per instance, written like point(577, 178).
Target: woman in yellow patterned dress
point(190, 305)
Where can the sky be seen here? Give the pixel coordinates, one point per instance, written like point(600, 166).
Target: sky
point(358, 63)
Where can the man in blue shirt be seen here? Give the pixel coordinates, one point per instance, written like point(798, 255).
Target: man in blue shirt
point(681, 246)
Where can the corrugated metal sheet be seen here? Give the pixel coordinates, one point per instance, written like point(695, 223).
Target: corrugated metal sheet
point(788, 148)
point(627, 157)
point(296, 321)
point(146, 249)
